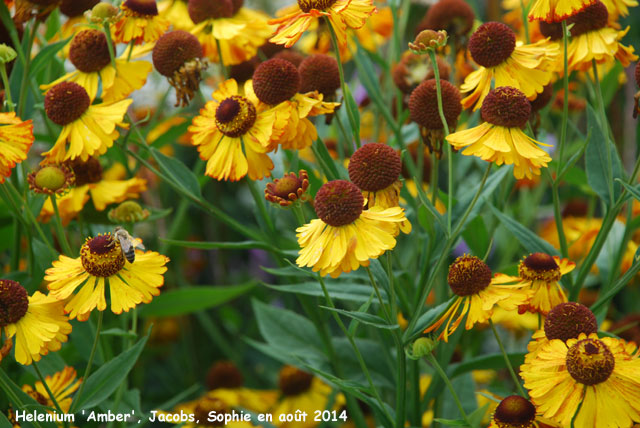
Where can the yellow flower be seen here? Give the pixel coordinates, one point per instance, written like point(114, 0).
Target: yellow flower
point(593, 382)
point(541, 273)
point(238, 30)
point(232, 136)
point(139, 21)
point(176, 12)
point(304, 392)
point(103, 189)
point(206, 411)
point(89, 129)
point(102, 263)
point(62, 384)
point(89, 54)
point(527, 68)
point(556, 10)
point(342, 14)
point(16, 138)
point(617, 9)
point(470, 280)
point(500, 138)
point(345, 236)
point(37, 322)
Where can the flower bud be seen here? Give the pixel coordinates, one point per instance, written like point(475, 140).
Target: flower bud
point(428, 40)
point(423, 346)
point(7, 53)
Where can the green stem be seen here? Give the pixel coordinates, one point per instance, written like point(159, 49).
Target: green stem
point(7, 88)
point(92, 355)
point(262, 208)
point(525, 20)
point(356, 350)
point(507, 360)
point(62, 237)
point(224, 70)
point(565, 104)
point(557, 214)
point(434, 179)
point(46, 387)
point(446, 380)
point(25, 75)
point(343, 85)
point(107, 33)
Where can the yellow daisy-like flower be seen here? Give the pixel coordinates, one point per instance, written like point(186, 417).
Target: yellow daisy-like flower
point(16, 138)
point(304, 392)
point(345, 236)
point(470, 279)
point(89, 53)
point(139, 21)
point(232, 135)
point(515, 411)
point(593, 382)
point(541, 273)
point(342, 14)
point(527, 68)
point(556, 10)
point(238, 30)
point(102, 264)
point(617, 9)
point(103, 189)
point(37, 322)
point(500, 138)
point(89, 129)
point(204, 412)
point(62, 384)
point(176, 12)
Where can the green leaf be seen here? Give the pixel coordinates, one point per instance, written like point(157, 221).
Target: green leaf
point(427, 319)
point(353, 113)
point(101, 384)
point(244, 245)
point(178, 172)
point(4, 422)
point(119, 333)
point(320, 150)
point(485, 362)
point(192, 299)
point(344, 291)
point(600, 174)
point(634, 191)
point(477, 236)
point(365, 318)
point(490, 186)
point(529, 240)
point(452, 422)
point(44, 57)
point(288, 331)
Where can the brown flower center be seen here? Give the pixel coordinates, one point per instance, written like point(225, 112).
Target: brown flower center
point(590, 362)
point(591, 18)
point(66, 102)
point(86, 172)
point(142, 7)
point(307, 5)
point(492, 43)
point(515, 412)
point(102, 256)
point(539, 267)
point(224, 374)
point(453, 16)
point(201, 10)
point(235, 116)
point(423, 104)
point(173, 49)
point(276, 80)
point(205, 406)
point(506, 106)
point(89, 51)
point(319, 73)
point(468, 275)
point(73, 8)
point(287, 189)
point(294, 381)
point(339, 203)
point(14, 302)
point(567, 320)
point(374, 166)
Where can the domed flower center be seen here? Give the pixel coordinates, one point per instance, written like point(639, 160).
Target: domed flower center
point(319, 73)
point(468, 275)
point(128, 212)
point(515, 412)
point(294, 381)
point(374, 166)
point(590, 362)
point(506, 106)
point(201, 10)
point(275, 81)
point(173, 49)
point(339, 203)
point(73, 8)
point(86, 172)
point(567, 320)
point(287, 189)
point(89, 51)
point(492, 43)
point(423, 104)
point(307, 5)
point(102, 256)
point(454, 16)
point(235, 116)
point(205, 406)
point(539, 267)
point(66, 102)
point(142, 7)
point(51, 179)
point(14, 302)
point(224, 374)
point(591, 18)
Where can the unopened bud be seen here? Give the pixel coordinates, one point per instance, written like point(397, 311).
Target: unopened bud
point(103, 12)
point(423, 346)
point(128, 212)
point(7, 53)
point(428, 40)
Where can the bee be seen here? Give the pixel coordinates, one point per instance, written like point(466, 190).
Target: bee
point(127, 243)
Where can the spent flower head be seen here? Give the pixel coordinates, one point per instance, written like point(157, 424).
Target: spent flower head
point(428, 40)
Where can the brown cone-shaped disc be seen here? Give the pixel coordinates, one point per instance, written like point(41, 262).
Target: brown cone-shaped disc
point(73, 8)
point(338, 203)
point(423, 104)
point(276, 80)
point(173, 49)
point(453, 16)
point(89, 51)
point(567, 320)
point(66, 102)
point(506, 106)
point(319, 73)
point(374, 166)
point(492, 43)
point(201, 10)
